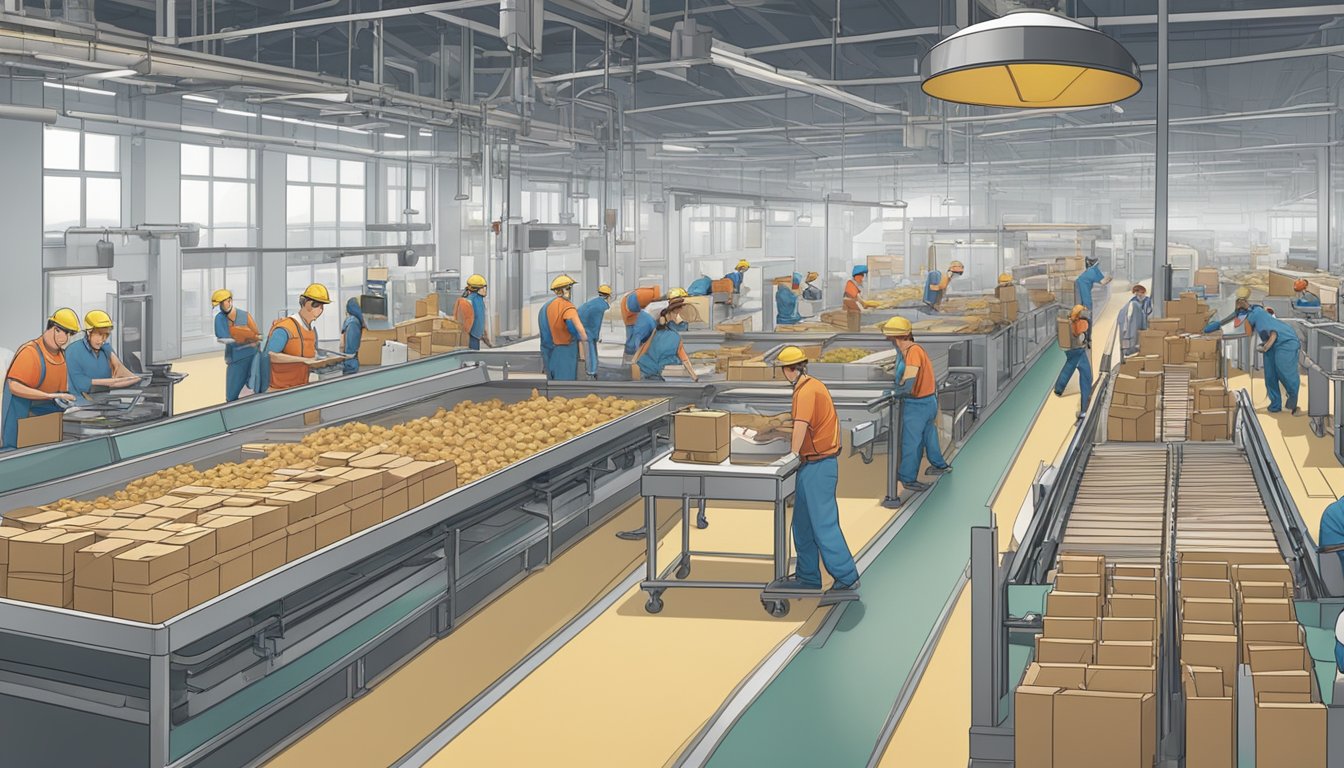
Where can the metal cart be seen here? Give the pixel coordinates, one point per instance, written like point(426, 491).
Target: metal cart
point(667, 479)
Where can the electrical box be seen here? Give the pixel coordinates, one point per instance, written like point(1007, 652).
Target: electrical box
point(541, 237)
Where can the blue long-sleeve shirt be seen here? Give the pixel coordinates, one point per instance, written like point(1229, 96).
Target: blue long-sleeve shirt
point(83, 365)
point(591, 314)
point(640, 332)
point(1086, 282)
point(736, 277)
point(786, 307)
point(1265, 324)
point(477, 329)
point(233, 353)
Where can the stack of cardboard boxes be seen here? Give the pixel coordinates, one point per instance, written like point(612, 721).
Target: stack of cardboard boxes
point(1003, 307)
point(1132, 417)
point(738, 327)
point(1212, 411)
point(843, 319)
point(1088, 699)
point(153, 560)
point(701, 437)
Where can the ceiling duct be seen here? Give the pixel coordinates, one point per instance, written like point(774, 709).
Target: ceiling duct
point(690, 41)
point(520, 25)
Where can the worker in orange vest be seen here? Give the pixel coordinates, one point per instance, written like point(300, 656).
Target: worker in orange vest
point(292, 344)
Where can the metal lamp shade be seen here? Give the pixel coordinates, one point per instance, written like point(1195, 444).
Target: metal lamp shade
point(1030, 60)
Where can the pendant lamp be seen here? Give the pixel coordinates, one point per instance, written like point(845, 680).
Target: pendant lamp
point(1030, 60)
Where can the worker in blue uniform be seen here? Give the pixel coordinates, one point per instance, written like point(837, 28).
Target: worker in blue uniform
point(739, 272)
point(592, 313)
point(92, 362)
point(936, 283)
point(469, 312)
point(1078, 357)
point(664, 347)
point(914, 376)
point(1089, 279)
point(1331, 538)
point(700, 286)
point(1239, 311)
point(563, 340)
point(1280, 351)
point(237, 331)
point(786, 302)
point(1134, 318)
point(36, 382)
point(638, 333)
point(1305, 298)
point(352, 333)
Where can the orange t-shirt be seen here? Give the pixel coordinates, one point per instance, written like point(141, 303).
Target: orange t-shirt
point(924, 383)
point(26, 368)
point(852, 290)
point(812, 404)
point(557, 312)
point(464, 313)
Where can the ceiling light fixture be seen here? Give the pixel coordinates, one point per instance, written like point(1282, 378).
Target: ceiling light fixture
point(236, 112)
point(201, 99)
point(335, 97)
point(678, 148)
point(804, 219)
point(79, 88)
point(109, 74)
point(1030, 59)
point(425, 133)
point(393, 136)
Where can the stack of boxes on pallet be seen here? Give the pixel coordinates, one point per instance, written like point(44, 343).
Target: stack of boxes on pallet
point(154, 560)
point(1174, 346)
point(1089, 698)
point(1132, 417)
point(1003, 307)
point(1211, 412)
point(427, 334)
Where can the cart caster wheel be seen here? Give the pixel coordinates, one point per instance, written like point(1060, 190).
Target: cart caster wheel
point(683, 570)
point(777, 608)
point(702, 522)
point(654, 605)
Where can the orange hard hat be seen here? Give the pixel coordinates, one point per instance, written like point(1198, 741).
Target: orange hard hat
point(1299, 285)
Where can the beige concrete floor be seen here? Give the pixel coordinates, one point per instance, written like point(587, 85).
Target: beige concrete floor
point(204, 385)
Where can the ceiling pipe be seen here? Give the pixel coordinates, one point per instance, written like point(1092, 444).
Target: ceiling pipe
point(238, 34)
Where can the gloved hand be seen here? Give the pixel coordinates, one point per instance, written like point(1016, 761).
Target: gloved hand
point(1211, 327)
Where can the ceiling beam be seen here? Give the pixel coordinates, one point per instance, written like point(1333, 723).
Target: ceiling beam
point(415, 10)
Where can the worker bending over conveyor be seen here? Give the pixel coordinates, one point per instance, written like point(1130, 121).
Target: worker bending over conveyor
point(853, 301)
point(237, 331)
point(1078, 357)
point(91, 361)
point(936, 283)
point(37, 378)
point(664, 347)
point(786, 302)
point(561, 333)
point(632, 308)
point(739, 272)
point(592, 313)
point(469, 312)
point(1280, 348)
point(919, 413)
point(1089, 279)
point(1242, 306)
point(1305, 298)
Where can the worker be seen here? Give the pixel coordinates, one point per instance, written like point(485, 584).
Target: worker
point(812, 292)
point(560, 324)
point(681, 324)
point(1134, 318)
point(1280, 349)
point(291, 347)
point(664, 347)
point(37, 378)
point(1331, 538)
point(936, 283)
point(1305, 298)
point(786, 301)
point(352, 333)
point(1078, 357)
point(1240, 309)
point(632, 307)
point(91, 361)
point(237, 331)
point(700, 286)
point(739, 272)
point(854, 290)
point(1089, 279)
point(592, 313)
point(919, 413)
point(469, 312)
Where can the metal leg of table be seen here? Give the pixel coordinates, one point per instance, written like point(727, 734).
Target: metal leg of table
point(684, 563)
point(159, 704)
point(781, 541)
point(701, 521)
point(650, 507)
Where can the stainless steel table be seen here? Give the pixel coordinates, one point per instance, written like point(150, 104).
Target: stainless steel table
point(768, 483)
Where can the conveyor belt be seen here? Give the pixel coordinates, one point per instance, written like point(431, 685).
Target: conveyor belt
point(1175, 404)
point(1218, 503)
point(1120, 505)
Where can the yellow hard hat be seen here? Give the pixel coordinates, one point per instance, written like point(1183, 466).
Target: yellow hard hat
point(1077, 311)
point(220, 296)
point(956, 267)
point(475, 281)
point(812, 276)
point(677, 293)
point(897, 326)
point(790, 356)
point(1004, 277)
point(604, 290)
point(1243, 292)
point(97, 320)
point(317, 292)
point(66, 319)
point(743, 264)
point(563, 281)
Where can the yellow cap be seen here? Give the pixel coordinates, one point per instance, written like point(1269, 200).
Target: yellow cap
point(956, 267)
point(1004, 277)
point(220, 296)
point(1243, 292)
point(898, 326)
point(604, 290)
point(563, 281)
point(677, 293)
point(317, 292)
point(791, 356)
point(475, 281)
point(66, 319)
point(97, 320)
point(1077, 311)
point(743, 264)
point(812, 276)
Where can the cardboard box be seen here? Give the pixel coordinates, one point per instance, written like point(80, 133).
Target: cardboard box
point(1275, 657)
point(1203, 433)
point(93, 563)
point(1122, 425)
point(1073, 604)
point(1219, 651)
point(152, 603)
point(1212, 588)
point(1082, 564)
point(1169, 325)
point(169, 515)
point(1122, 679)
point(1062, 651)
point(1125, 653)
point(300, 503)
point(1282, 681)
point(370, 351)
point(269, 553)
point(369, 514)
point(1092, 583)
point(1188, 568)
point(148, 563)
point(1209, 628)
point(266, 519)
point(231, 531)
point(1134, 585)
point(397, 500)
point(202, 583)
point(1139, 385)
point(1153, 343)
point(200, 544)
point(328, 494)
point(1066, 628)
point(1210, 732)
point(300, 539)
point(1132, 606)
point(1269, 589)
point(1263, 572)
point(1123, 629)
point(1033, 733)
point(41, 430)
point(1208, 609)
point(1174, 350)
point(1267, 609)
point(1289, 734)
point(1102, 728)
point(1070, 676)
point(47, 550)
point(332, 527)
point(90, 600)
point(235, 567)
point(57, 590)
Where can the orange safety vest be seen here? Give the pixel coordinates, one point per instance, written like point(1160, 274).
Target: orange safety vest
point(303, 343)
point(464, 313)
point(643, 297)
point(557, 312)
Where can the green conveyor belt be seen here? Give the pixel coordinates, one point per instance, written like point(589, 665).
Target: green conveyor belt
point(827, 707)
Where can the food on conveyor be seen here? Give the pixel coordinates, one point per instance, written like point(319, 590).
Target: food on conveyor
point(895, 297)
point(844, 355)
point(1256, 279)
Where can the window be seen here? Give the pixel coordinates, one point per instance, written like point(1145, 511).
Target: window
point(543, 204)
point(80, 291)
point(324, 202)
point(420, 198)
point(219, 193)
point(198, 316)
point(81, 183)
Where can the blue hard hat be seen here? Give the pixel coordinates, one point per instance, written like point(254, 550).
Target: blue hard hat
point(861, 269)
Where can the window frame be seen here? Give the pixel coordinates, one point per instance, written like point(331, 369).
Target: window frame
point(55, 237)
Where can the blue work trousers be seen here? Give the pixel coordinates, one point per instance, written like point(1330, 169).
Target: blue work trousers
point(562, 362)
point(816, 525)
point(474, 342)
point(1281, 371)
point(592, 357)
point(1077, 360)
point(919, 437)
point(236, 375)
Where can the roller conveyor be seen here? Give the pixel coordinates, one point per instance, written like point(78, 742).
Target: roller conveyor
point(1218, 503)
point(1128, 531)
point(1175, 404)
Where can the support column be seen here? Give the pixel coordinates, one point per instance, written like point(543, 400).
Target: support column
point(271, 273)
point(1323, 208)
point(21, 313)
point(165, 13)
point(1159, 291)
